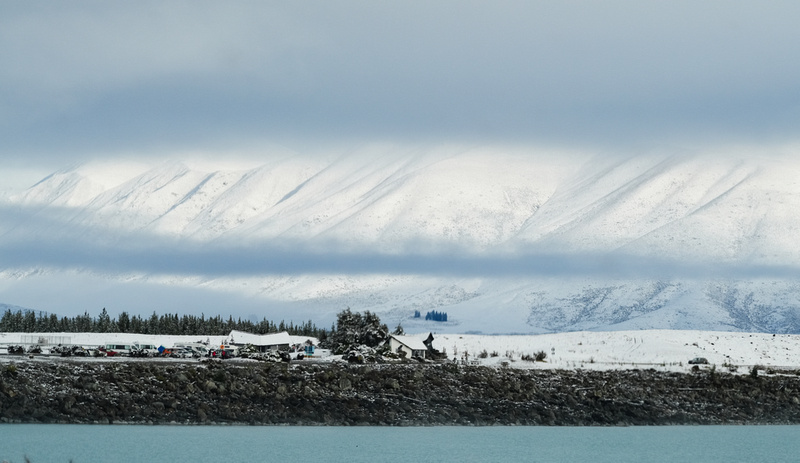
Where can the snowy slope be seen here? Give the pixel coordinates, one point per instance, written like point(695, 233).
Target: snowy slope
point(503, 240)
point(663, 350)
point(467, 198)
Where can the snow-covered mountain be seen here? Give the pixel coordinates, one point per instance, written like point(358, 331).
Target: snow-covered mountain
point(501, 240)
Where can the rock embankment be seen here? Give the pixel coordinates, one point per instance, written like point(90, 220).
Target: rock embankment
point(422, 394)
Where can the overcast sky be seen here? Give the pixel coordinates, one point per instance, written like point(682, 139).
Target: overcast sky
point(83, 80)
point(108, 78)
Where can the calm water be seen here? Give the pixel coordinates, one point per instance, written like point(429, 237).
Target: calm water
point(62, 443)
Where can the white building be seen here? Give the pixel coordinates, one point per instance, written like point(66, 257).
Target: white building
point(412, 347)
point(264, 342)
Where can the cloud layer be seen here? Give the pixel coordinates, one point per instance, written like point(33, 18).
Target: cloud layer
point(110, 77)
point(140, 254)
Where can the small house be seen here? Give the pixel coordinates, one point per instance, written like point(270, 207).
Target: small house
point(412, 347)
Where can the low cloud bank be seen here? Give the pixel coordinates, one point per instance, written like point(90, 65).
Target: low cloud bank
point(166, 257)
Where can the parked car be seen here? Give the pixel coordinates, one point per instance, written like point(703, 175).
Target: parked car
point(180, 352)
point(143, 350)
point(195, 350)
point(698, 361)
point(221, 353)
point(108, 352)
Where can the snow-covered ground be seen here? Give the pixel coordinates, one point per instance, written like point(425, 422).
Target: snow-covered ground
point(664, 350)
point(100, 339)
point(667, 350)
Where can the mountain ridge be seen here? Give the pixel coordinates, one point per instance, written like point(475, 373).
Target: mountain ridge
point(644, 242)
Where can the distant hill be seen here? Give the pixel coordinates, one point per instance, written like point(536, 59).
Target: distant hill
point(14, 308)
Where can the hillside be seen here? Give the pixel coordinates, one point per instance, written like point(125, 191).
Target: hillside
point(504, 241)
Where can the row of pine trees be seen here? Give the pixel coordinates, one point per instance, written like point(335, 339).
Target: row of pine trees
point(169, 324)
point(433, 315)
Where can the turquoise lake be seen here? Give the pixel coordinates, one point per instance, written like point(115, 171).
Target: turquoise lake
point(121, 443)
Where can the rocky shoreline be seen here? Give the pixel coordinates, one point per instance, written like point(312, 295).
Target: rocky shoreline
point(257, 393)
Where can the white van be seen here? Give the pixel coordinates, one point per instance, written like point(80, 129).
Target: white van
point(144, 350)
point(118, 349)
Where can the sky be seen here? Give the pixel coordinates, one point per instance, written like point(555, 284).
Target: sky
point(88, 79)
point(112, 80)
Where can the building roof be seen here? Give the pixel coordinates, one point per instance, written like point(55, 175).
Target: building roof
point(274, 339)
point(411, 343)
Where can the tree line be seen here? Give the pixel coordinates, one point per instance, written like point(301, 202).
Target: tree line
point(433, 315)
point(169, 324)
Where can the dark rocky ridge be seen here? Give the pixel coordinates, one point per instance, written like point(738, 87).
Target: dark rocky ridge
point(418, 394)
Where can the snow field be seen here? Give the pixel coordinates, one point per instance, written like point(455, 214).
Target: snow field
point(662, 350)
